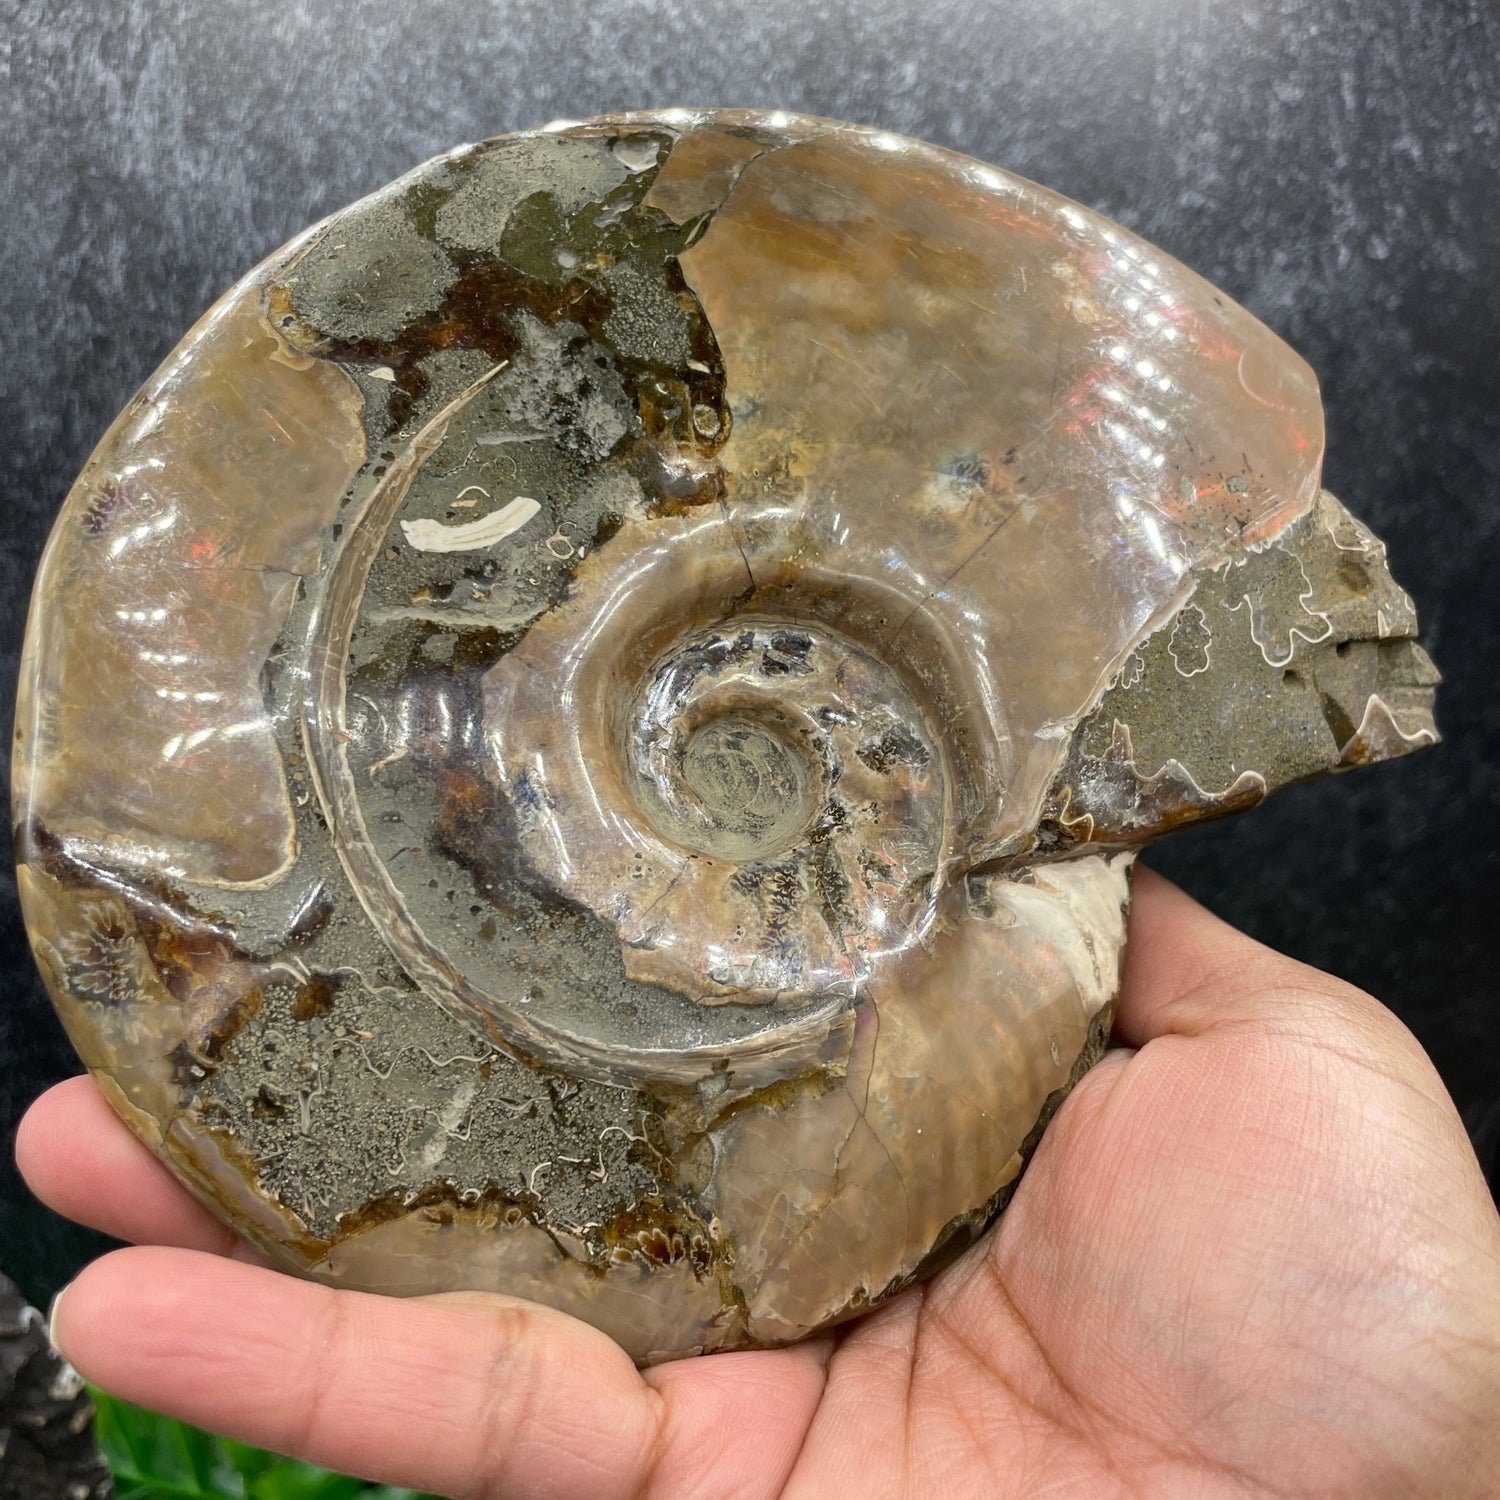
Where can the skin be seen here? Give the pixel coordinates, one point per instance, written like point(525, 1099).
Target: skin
point(1254, 1256)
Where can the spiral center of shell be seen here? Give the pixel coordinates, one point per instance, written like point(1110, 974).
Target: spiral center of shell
point(754, 790)
point(784, 812)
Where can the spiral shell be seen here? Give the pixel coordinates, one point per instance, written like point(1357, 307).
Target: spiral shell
point(584, 735)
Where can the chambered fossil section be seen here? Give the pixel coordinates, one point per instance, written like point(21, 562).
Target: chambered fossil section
point(584, 735)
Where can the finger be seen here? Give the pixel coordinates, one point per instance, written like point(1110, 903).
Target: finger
point(1176, 955)
point(754, 1409)
point(81, 1159)
point(463, 1395)
point(870, 1378)
point(1187, 973)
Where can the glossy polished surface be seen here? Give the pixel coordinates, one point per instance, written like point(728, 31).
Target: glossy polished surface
point(584, 735)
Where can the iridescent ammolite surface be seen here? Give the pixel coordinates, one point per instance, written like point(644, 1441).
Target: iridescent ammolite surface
point(584, 735)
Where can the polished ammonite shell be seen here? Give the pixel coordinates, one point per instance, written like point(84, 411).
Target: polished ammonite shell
point(584, 735)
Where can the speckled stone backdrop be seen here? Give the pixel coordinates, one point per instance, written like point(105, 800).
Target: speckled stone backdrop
point(1334, 164)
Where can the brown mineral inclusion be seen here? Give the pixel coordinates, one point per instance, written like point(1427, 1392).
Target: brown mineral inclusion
point(585, 733)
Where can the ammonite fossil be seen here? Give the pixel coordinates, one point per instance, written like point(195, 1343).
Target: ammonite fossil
point(584, 735)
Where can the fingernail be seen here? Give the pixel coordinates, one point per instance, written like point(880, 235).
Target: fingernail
point(52, 1318)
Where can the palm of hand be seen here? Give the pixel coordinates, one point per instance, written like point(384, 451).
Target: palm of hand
point(1253, 1257)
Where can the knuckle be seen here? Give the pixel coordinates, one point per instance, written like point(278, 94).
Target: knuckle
point(325, 1345)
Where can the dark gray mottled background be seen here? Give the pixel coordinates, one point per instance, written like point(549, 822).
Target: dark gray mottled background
point(1331, 163)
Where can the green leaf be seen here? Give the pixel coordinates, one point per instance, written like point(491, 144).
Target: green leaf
point(248, 1461)
point(289, 1480)
point(153, 1456)
point(156, 1458)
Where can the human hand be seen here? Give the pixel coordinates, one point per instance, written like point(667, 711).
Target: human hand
point(1254, 1255)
